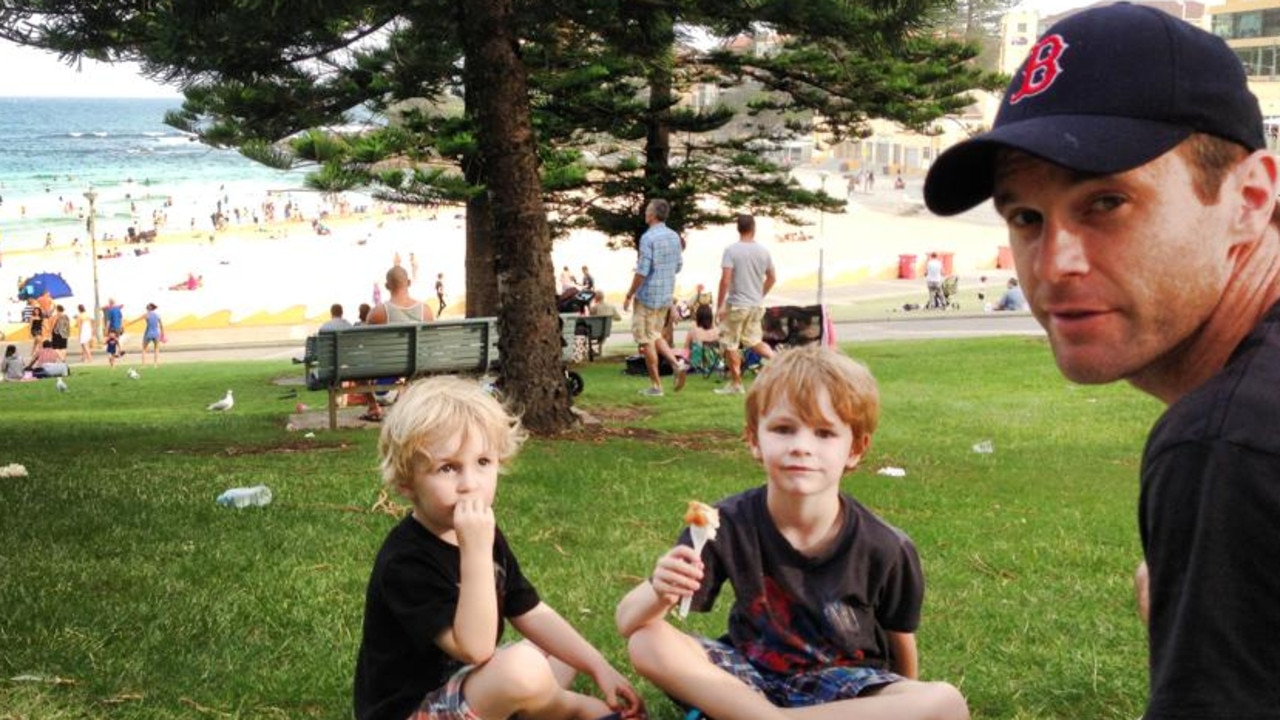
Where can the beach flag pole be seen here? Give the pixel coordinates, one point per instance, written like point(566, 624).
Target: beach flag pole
point(92, 196)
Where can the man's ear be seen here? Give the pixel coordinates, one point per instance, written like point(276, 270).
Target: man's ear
point(1255, 186)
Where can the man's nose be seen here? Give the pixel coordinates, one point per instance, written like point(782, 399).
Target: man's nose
point(1062, 251)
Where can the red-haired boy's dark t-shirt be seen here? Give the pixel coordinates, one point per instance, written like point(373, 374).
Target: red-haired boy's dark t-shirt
point(792, 612)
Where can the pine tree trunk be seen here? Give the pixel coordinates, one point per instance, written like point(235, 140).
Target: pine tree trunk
point(528, 324)
point(482, 280)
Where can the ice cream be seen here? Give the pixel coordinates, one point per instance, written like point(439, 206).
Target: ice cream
point(703, 521)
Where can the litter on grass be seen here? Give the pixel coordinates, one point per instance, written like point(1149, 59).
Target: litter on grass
point(13, 470)
point(891, 471)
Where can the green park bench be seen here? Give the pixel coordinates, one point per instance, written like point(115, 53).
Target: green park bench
point(354, 360)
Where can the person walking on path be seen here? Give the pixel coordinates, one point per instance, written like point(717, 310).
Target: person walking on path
point(84, 330)
point(1130, 137)
point(652, 287)
point(440, 303)
point(152, 336)
point(746, 276)
point(400, 308)
point(113, 318)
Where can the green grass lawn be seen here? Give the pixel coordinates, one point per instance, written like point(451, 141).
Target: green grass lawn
point(126, 592)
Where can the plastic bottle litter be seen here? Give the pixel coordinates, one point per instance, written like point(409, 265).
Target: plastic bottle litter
point(986, 447)
point(242, 497)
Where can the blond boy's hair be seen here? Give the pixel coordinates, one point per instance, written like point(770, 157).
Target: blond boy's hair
point(796, 375)
point(430, 412)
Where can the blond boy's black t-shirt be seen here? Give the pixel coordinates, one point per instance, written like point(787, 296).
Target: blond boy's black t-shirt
point(411, 598)
point(794, 613)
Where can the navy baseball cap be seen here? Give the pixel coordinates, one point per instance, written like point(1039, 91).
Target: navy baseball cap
point(1104, 91)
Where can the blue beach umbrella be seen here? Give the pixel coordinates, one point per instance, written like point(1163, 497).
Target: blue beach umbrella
point(40, 283)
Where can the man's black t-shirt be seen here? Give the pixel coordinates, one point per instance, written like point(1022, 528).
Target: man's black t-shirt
point(411, 598)
point(1210, 520)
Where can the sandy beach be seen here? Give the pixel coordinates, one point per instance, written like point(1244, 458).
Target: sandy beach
point(279, 277)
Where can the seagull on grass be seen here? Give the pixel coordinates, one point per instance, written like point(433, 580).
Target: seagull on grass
point(224, 404)
point(62, 386)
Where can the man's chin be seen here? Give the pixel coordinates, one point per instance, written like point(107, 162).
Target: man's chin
point(1089, 366)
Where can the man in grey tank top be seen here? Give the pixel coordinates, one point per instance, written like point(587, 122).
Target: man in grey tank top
point(400, 308)
point(746, 276)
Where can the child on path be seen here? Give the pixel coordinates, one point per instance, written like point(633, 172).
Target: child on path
point(827, 595)
point(445, 579)
point(113, 348)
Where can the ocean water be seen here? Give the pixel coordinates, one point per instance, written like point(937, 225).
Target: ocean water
point(53, 150)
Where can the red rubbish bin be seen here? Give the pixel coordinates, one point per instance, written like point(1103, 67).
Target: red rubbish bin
point(906, 267)
point(948, 263)
point(1004, 258)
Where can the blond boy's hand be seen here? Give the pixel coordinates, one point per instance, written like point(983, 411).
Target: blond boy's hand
point(619, 695)
point(677, 574)
point(474, 523)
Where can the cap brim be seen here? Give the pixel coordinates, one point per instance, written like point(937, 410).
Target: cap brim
point(963, 176)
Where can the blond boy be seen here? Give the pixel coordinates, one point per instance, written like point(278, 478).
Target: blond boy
point(827, 595)
point(445, 579)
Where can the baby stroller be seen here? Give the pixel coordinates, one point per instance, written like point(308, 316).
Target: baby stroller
point(573, 300)
point(943, 296)
point(792, 325)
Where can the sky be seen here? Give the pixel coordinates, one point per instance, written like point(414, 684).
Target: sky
point(37, 73)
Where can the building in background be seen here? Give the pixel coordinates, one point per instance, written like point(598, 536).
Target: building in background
point(1252, 29)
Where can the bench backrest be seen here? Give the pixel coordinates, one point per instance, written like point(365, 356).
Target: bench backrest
point(596, 327)
point(404, 350)
point(409, 350)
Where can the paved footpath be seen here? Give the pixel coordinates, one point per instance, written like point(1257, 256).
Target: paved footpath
point(917, 326)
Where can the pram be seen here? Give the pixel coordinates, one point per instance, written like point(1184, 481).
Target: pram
point(788, 326)
point(793, 325)
point(573, 300)
point(943, 296)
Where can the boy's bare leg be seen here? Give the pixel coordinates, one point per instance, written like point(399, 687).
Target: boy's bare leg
point(905, 700)
point(676, 663)
point(520, 680)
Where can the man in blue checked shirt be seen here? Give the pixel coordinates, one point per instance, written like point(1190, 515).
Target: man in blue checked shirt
point(652, 288)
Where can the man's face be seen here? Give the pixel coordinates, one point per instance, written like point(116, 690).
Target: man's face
point(1120, 270)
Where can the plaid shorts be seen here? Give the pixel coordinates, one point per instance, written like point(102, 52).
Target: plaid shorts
point(446, 702)
point(816, 687)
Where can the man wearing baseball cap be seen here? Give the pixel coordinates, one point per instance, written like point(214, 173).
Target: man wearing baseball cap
point(1129, 163)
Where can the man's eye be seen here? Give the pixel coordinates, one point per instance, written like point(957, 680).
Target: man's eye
point(1023, 218)
point(1106, 203)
